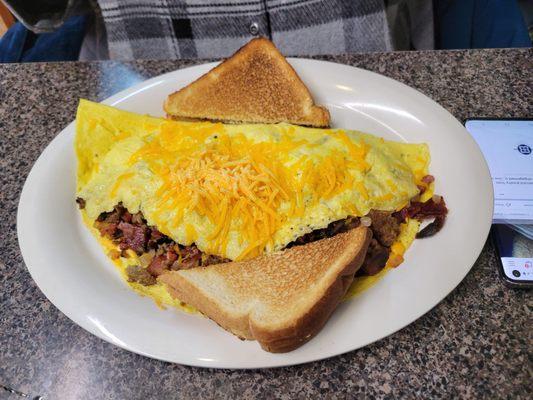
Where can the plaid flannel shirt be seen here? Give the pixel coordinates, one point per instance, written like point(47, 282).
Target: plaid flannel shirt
point(173, 29)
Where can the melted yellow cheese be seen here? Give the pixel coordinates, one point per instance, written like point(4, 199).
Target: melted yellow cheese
point(238, 191)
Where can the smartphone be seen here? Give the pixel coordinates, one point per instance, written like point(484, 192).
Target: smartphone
point(507, 145)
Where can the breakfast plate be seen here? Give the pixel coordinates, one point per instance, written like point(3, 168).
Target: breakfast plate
point(70, 268)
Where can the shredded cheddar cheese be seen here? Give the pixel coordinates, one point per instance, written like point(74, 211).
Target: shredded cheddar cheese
point(240, 184)
point(119, 181)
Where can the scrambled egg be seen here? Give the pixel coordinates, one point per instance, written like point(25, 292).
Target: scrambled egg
point(238, 190)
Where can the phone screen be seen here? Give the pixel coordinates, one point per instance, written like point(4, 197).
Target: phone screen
point(508, 148)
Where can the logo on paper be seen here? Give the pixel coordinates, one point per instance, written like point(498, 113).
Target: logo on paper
point(524, 149)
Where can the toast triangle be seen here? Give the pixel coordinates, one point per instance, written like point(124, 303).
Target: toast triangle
point(282, 299)
point(255, 85)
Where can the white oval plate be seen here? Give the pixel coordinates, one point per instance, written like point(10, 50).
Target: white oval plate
point(70, 268)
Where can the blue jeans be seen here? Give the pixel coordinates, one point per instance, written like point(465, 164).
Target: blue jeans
point(469, 24)
point(21, 45)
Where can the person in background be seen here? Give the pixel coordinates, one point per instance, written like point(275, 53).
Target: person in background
point(174, 29)
point(473, 24)
point(214, 29)
point(177, 29)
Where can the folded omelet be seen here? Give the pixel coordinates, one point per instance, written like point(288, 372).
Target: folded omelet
point(237, 191)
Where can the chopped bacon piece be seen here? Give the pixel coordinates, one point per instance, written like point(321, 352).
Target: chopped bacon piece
point(156, 235)
point(133, 237)
point(171, 256)
point(421, 211)
point(428, 179)
point(81, 203)
point(155, 238)
point(138, 218)
point(111, 217)
point(126, 217)
point(191, 257)
point(107, 229)
point(162, 262)
point(158, 265)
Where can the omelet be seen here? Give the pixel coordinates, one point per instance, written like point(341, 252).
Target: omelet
point(238, 191)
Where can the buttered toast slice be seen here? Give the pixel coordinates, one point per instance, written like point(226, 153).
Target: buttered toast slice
point(255, 85)
point(281, 300)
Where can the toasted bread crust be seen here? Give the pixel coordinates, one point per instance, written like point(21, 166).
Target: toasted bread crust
point(255, 85)
point(288, 336)
point(184, 290)
point(311, 323)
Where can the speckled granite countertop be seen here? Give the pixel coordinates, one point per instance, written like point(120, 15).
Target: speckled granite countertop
point(477, 343)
